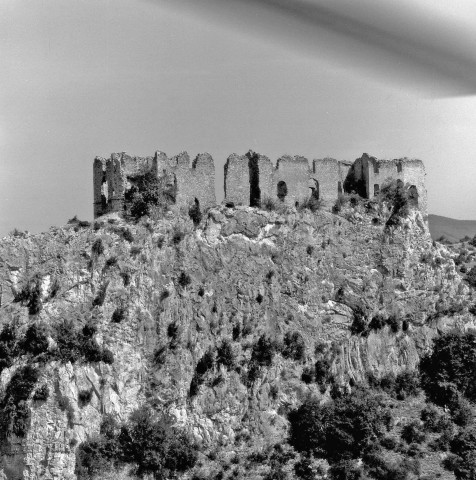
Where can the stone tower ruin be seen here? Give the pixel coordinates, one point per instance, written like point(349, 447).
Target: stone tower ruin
point(251, 178)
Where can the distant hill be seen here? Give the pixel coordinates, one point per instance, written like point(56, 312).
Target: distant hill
point(454, 230)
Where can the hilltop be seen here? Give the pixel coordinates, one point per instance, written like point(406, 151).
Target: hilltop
point(451, 229)
point(219, 327)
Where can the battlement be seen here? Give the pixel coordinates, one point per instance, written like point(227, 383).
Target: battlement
point(250, 178)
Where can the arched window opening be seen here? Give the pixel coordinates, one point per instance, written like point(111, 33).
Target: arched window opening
point(194, 213)
point(282, 190)
point(315, 193)
point(255, 190)
point(413, 195)
point(376, 167)
point(376, 189)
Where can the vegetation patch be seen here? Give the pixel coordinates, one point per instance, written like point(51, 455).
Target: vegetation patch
point(14, 412)
point(73, 345)
point(150, 195)
point(30, 295)
point(151, 448)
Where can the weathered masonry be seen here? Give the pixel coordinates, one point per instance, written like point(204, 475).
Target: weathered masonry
point(251, 178)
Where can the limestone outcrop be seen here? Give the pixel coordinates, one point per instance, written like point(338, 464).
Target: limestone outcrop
point(181, 289)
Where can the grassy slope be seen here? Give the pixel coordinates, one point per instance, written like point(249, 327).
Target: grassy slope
point(452, 229)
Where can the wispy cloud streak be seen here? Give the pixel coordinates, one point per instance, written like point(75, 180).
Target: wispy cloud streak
point(394, 42)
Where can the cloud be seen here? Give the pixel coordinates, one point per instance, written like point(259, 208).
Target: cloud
point(397, 42)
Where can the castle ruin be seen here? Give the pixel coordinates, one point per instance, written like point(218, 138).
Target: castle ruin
point(250, 178)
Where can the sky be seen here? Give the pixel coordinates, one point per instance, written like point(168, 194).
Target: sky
point(302, 77)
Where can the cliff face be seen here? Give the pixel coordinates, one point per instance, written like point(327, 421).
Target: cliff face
point(173, 291)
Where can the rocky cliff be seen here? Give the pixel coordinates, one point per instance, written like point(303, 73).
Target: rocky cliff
point(159, 295)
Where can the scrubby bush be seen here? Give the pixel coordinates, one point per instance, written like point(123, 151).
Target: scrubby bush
point(101, 295)
point(359, 323)
point(160, 355)
point(73, 345)
point(111, 262)
point(340, 430)
point(98, 247)
point(150, 195)
point(35, 340)
point(272, 205)
point(236, 332)
point(450, 368)
point(14, 412)
point(118, 315)
point(308, 375)
point(442, 443)
point(206, 363)
point(42, 393)
point(127, 235)
point(397, 196)
point(30, 295)
point(65, 405)
point(177, 236)
point(378, 321)
point(393, 323)
point(126, 278)
point(434, 420)
point(85, 397)
point(389, 443)
point(225, 355)
point(96, 456)
point(471, 276)
point(346, 470)
point(413, 432)
point(152, 448)
point(173, 332)
point(381, 468)
point(195, 214)
point(322, 370)
point(184, 279)
point(407, 384)
point(294, 346)
point(263, 351)
point(262, 354)
point(8, 349)
point(463, 461)
point(462, 412)
point(312, 203)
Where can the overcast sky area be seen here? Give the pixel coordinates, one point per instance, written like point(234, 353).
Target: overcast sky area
point(91, 77)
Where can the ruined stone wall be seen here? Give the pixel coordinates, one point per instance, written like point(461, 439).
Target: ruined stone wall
point(196, 181)
point(294, 172)
point(376, 172)
point(113, 177)
point(251, 178)
point(345, 170)
point(326, 172)
point(360, 170)
point(237, 180)
point(263, 185)
point(99, 186)
point(203, 172)
point(414, 174)
point(381, 172)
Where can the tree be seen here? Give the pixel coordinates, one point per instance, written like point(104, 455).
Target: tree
point(463, 461)
point(339, 430)
point(450, 369)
